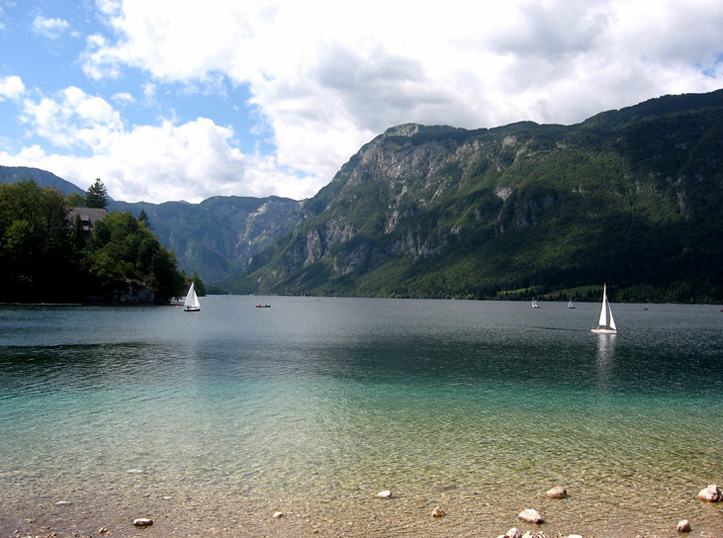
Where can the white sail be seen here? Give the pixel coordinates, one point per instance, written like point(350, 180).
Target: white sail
point(192, 303)
point(611, 321)
point(606, 323)
point(603, 319)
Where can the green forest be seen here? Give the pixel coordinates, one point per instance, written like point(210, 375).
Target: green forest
point(48, 256)
point(632, 198)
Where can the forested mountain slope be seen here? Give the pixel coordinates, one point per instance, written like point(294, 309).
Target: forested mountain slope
point(218, 237)
point(631, 197)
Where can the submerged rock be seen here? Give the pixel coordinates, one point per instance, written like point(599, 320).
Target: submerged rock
point(531, 516)
point(558, 492)
point(711, 494)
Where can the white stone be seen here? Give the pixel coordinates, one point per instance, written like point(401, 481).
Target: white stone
point(384, 494)
point(513, 533)
point(143, 522)
point(530, 515)
point(683, 526)
point(63, 503)
point(278, 515)
point(711, 493)
point(558, 492)
point(438, 512)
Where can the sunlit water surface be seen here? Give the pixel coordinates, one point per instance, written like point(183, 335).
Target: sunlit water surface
point(211, 422)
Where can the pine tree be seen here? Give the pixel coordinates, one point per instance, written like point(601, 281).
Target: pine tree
point(143, 219)
point(97, 195)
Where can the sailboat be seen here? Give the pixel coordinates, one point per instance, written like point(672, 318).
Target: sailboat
point(570, 305)
point(534, 304)
point(606, 323)
point(191, 304)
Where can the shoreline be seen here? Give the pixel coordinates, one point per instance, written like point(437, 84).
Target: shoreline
point(380, 516)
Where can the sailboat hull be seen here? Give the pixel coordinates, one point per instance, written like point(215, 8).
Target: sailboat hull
point(604, 331)
point(192, 309)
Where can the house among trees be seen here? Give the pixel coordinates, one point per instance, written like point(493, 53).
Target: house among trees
point(88, 217)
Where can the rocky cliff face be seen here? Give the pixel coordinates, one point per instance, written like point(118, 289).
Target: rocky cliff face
point(631, 196)
point(406, 190)
point(219, 236)
point(467, 209)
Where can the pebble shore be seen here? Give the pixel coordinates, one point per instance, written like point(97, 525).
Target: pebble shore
point(528, 516)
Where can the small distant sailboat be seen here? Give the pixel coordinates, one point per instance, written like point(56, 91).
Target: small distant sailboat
point(191, 304)
point(606, 323)
point(534, 304)
point(570, 305)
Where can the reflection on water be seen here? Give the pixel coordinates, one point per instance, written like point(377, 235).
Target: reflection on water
point(605, 358)
point(313, 406)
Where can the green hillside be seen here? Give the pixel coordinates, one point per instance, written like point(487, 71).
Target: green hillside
point(217, 237)
point(629, 197)
point(10, 175)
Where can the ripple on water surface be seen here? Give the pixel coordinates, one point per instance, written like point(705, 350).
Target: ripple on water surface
point(313, 406)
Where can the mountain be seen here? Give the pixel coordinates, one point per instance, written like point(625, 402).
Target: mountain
point(219, 236)
point(632, 197)
point(215, 238)
point(15, 174)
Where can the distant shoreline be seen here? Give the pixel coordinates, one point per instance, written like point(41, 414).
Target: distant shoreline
point(42, 304)
point(85, 304)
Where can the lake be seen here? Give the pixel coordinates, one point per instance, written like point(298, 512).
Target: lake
point(210, 422)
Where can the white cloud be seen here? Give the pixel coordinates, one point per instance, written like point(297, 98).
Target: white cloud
point(328, 75)
point(73, 119)
point(123, 98)
point(149, 91)
point(191, 161)
point(11, 87)
point(51, 28)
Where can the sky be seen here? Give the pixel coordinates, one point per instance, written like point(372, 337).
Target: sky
point(168, 100)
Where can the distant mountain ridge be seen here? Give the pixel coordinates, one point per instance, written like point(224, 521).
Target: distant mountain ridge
point(15, 174)
point(215, 238)
point(219, 236)
point(631, 197)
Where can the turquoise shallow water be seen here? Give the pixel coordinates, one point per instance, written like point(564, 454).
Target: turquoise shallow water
point(211, 422)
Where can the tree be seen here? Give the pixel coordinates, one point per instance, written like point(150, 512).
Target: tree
point(143, 219)
point(124, 251)
point(44, 255)
point(198, 284)
point(77, 235)
point(34, 243)
point(97, 195)
point(76, 200)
